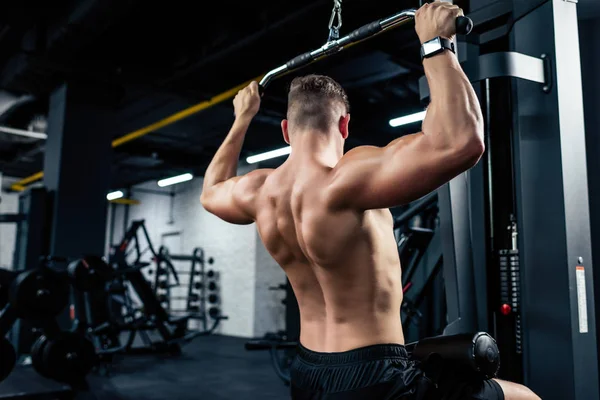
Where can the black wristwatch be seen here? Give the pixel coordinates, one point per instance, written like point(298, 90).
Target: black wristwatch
point(436, 46)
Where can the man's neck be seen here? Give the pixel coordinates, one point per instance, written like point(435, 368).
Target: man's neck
point(319, 147)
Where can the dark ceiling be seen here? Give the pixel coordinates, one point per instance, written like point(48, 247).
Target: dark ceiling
point(157, 58)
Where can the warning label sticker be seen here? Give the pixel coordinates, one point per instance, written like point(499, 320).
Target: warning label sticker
point(581, 299)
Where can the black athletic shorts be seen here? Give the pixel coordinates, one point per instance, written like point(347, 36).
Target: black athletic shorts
point(378, 372)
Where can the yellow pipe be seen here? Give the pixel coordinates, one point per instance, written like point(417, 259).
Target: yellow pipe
point(125, 201)
point(30, 179)
point(178, 116)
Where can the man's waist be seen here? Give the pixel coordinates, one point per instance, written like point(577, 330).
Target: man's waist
point(361, 354)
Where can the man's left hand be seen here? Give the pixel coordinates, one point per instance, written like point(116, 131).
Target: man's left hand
point(247, 102)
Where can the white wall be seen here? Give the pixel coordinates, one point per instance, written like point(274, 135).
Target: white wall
point(9, 204)
point(246, 269)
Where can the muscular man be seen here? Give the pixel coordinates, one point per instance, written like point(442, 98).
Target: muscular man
point(324, 218)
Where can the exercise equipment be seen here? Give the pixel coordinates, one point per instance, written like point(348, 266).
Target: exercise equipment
point(281, 351)
point(114, 320)
point(89, 273)
point(476, 355)
point(419, 240)
point(196, 281)
point(503, 257)
point(65, 357)
point(213, 298)
point(38, 294)
point(334, 45)
point(6, 279)
point(215, 313)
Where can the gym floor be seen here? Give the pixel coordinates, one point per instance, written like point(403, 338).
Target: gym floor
point(211, 367)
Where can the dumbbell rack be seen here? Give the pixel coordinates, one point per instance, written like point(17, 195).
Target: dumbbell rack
point(196, 282)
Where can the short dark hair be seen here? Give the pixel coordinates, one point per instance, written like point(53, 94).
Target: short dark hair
point(310, 99)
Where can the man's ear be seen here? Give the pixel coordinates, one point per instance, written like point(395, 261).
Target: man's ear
point(344, 125)
point(284, 129)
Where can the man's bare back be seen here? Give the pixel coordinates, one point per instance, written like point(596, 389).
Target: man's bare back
point(342, 264)
point(324, 217)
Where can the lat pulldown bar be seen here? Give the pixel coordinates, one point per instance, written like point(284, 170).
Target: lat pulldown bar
point(464, 25)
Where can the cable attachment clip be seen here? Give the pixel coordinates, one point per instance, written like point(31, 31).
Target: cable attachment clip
point(334, 31)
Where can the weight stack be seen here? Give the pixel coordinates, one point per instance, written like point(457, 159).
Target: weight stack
point(510, 291)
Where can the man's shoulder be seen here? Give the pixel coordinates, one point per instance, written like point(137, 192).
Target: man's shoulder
point(258, 176)
point(353, 156)
point(252, 182)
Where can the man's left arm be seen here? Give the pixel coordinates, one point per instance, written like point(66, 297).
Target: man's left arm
point(224, 194)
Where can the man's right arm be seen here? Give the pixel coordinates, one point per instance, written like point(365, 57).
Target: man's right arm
point(450, 143)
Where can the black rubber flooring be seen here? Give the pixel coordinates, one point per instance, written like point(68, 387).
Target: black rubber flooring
point(211, 367)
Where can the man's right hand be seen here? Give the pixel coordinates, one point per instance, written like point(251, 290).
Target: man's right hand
point(411, 166)
point(436, 19)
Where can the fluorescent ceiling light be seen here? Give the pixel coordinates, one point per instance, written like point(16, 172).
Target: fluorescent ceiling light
point(268, 155)
point(408, 119)
point(22, 132)
point(114, 195)
point(175, 179)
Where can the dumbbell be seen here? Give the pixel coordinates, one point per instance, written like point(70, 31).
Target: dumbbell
point(163, 298)
point(39, 294)
point(66, 357)
point(213, 298)
point(214, 312)
point(163, 284)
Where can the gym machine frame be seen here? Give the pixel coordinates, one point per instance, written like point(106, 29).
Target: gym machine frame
point(152, 305)
point(530, 192)
point(173, 331)
point(420, 250)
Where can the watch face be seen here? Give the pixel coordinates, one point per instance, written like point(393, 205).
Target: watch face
point(432, 46)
